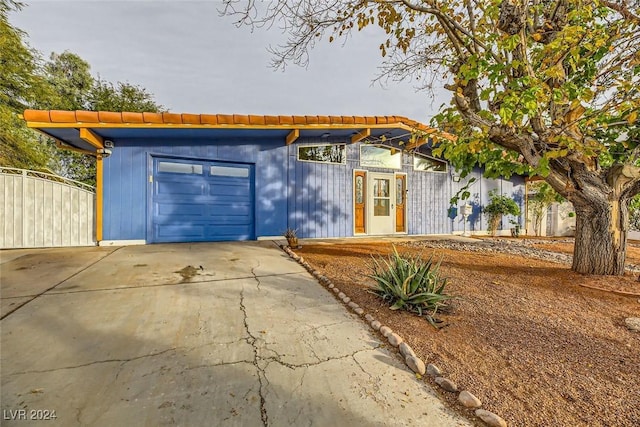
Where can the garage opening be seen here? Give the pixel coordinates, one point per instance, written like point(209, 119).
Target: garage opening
point(201, 201)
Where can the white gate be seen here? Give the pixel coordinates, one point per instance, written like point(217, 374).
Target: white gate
point(43, 210)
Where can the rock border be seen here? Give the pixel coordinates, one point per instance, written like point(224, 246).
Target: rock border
point(413, 362)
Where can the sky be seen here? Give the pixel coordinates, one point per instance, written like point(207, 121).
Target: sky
point(195, 61)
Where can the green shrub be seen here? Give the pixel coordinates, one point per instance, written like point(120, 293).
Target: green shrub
point(498, 206)
point(410, 283)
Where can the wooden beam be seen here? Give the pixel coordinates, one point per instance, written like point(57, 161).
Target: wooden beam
point(361, 135)
point(99, 197)
point(91, 138)
point(293, 135)
point(416, 144)
point(62, 146)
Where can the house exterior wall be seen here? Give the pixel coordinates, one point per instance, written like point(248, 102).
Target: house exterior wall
point(480, 196)
point(321, 195)
point(126, 181)
point(314, 198)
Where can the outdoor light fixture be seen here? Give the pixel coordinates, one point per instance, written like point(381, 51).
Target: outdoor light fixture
point(455, 176)
point(104, 152)
point(108, 143)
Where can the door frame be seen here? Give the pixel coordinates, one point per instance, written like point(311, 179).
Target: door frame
point(405, 199)
point(369, 207)
point(353, 202)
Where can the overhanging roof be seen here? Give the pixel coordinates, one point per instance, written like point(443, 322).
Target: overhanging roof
point(87, 130)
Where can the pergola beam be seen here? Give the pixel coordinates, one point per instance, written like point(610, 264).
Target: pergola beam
point(293, 135)
point(361, 135)
point(92, 138)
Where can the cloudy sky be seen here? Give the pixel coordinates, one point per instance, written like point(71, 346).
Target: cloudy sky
point(195, 61)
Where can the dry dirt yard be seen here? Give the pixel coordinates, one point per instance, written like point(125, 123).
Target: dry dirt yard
point(522, 335)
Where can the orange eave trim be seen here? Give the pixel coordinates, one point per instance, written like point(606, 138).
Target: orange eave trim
point(108, 119)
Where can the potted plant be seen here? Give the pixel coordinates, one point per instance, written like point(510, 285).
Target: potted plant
point(498, 206)
point(292, 237)
point(515, 230)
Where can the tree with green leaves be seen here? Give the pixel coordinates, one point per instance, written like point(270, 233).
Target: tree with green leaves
point(75, 88)
point(539, 87)
point(543, 197)
point(21, 86)
point(106, 96)
point(62, 83)
point(499, 205)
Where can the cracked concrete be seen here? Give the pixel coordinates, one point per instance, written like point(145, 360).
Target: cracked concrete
point(251, 339)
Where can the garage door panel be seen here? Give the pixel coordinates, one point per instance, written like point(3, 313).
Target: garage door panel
point(183, 209)
point(179, 188)
point(215, 203)
point(230, 190)
point(180, 231)
point(229, 210)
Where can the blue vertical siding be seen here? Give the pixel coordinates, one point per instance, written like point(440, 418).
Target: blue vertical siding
point(512, 187)
point(315, 198)
point(271, 189)
point(126, 180)
point(320, 202)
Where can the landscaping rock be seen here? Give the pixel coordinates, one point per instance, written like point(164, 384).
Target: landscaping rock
point(633, 323)
point(341, 295)
point(433, 370)
point(336, 290)
point(468, 400)
point(406, 350)
point(376, 325)
point(415, 364)
point(346, 300)
point(385, 331)
point(331, 286)
point(300, 260)
point(394, 339)
point(359, 311)
point(368, 318)
point(490, 418)
point(353, 304)
point(446, 384)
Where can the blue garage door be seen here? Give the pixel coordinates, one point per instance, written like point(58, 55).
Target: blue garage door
point(201, 201)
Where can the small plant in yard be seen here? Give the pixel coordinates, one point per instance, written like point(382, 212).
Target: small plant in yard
point(498, 206)
point(291, 234)
point(410, 283)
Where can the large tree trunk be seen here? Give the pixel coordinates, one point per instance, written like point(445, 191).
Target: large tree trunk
point(601, 237)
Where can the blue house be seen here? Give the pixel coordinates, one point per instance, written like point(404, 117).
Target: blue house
point(165, 177)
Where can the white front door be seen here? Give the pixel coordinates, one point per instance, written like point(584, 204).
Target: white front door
point(381, 199)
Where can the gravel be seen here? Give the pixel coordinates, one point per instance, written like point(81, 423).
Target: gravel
point(521, 247)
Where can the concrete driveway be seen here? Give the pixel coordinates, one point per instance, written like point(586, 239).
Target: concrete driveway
point(194, 335)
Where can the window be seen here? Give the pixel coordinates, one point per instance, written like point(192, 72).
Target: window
point(381, 197)
point(400, 190)
point(229, 171)
point(380, 157)
point(334, 153)
point(428, 164)
point(359, 189)
point(187, 168)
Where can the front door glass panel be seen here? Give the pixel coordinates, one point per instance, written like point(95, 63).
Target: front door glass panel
point(381, 197)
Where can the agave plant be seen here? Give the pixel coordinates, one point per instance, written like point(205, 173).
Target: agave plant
point(410, 283)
